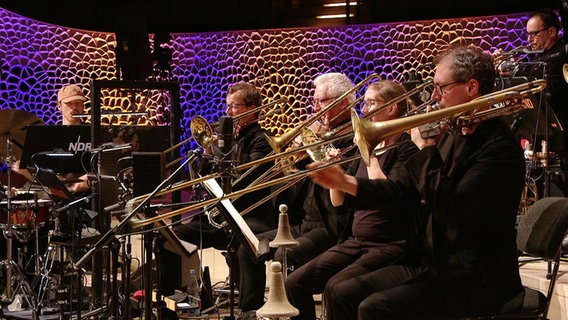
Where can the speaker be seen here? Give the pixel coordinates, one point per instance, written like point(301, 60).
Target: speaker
point(147, 171)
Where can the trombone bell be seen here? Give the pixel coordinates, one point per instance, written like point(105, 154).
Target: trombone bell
point(368, 134)
point(201, 132)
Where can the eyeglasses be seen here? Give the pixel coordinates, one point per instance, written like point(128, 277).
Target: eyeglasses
point(535, 34)
point(440, 88)
point(319, 102)
point(372, 102)
point(235, 105)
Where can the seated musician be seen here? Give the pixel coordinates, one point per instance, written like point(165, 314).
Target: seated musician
point(315, 222)
point(250, 145)
point(70, 101)
point(377, 237)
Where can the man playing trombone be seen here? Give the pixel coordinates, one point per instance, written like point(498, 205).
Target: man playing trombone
point(377, 237)
point(471, 181)
point(322, 223)
point(250, 145)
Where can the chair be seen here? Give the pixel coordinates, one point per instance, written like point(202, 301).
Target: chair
point(540, 233)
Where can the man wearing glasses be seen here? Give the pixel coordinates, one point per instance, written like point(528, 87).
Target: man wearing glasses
point(250, 145)
point(542, 31)
point(321, 223)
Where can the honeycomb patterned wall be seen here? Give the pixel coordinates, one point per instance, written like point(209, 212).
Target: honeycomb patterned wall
point(38, 58)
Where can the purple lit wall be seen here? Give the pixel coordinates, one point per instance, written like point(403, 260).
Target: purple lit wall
point(38, 58)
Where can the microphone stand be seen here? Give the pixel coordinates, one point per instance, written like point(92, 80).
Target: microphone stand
point(233, 244)
point(107, 237)
point(8, 233)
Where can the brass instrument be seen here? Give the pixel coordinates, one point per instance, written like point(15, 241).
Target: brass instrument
point(130, 205)
point(201, 128)
point(565, 71)
point(347, 126)
point(278, 143)
point(499, 57)
point(202, 132)
point(295, 176)
point(369, 134)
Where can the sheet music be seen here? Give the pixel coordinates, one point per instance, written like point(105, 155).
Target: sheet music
point(215, 188)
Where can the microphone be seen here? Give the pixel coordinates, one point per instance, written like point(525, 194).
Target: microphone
point(110, 146)
point(224, 148)
point(76, 203)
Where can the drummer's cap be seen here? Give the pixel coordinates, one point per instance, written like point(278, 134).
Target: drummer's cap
point(70, 93)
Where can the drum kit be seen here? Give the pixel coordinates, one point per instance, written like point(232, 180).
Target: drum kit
point(24, 216)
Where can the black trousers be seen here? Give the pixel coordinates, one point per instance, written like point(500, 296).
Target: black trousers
point(413, 292)
point(394, 292)
point(344, 261)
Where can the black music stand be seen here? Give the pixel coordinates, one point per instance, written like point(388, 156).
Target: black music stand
point(241, 233)
point(72, 140)
point(538, 120)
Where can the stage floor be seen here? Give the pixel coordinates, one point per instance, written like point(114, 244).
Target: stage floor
point(533, 275)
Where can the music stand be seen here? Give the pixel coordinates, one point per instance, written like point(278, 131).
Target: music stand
point(537, 120)
point(72, 140)
point(256, 248)
point(54, 187)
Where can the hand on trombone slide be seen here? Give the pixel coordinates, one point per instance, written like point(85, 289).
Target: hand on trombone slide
point(332, 177)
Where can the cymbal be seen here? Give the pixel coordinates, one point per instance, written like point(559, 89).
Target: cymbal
point(13, 125)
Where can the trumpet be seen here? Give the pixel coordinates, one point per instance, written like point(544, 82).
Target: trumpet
point(369, 134)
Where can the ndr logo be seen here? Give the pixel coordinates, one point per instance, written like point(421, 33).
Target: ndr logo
point(79, 146)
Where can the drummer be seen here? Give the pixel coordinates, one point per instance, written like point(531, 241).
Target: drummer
point(70, 101)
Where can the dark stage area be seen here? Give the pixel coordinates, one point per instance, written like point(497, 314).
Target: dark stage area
point(199, 16)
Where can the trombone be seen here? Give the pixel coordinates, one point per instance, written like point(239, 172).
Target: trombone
point(293, 177)
point(204, 130)
point(347, 126)
point(369, 134)
point(278, 143)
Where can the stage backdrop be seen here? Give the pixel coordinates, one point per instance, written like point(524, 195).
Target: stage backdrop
point(38, 58)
